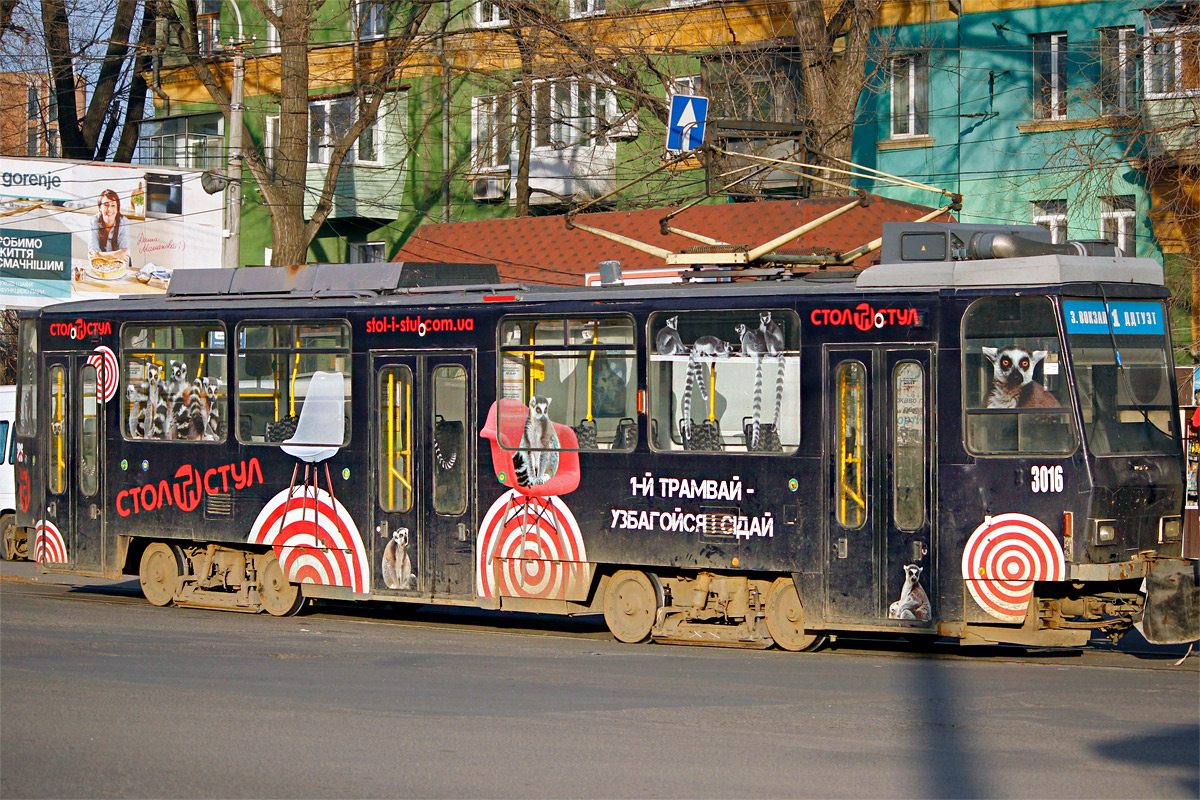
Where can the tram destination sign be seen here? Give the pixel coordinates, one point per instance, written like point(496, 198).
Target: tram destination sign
point(1095, 316)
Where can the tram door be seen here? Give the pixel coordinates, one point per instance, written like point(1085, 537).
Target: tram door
point(424, 454)
point(881, 497)
point(73, 533)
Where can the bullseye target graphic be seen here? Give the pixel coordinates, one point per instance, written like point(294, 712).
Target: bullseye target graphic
point(49, 547)
point(530, 547)
point(105, 362)
point(1003, 558)
point(315, 539)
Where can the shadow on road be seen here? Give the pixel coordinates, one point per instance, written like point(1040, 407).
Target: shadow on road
point(1172, 748)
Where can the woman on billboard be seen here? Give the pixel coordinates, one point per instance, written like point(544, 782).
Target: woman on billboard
point(108, 246)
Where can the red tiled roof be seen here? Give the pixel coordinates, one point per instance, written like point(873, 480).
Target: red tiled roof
point(542, 250)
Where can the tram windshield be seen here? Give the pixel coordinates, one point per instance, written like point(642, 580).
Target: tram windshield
point(1121, 362)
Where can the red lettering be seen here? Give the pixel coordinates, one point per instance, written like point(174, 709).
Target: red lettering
point(164, 494)
point(224, 477)
point(149, 497)
point(239, 476)
point(253, 468)
point(121, 509)
point(133, 494)
point(187, 493)
point(207, 486)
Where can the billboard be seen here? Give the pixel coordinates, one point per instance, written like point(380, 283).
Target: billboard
point(75, 230)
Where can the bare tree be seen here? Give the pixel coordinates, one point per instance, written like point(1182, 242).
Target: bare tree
point(377, 66)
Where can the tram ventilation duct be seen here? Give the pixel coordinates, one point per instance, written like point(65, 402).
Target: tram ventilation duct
point(941, 241)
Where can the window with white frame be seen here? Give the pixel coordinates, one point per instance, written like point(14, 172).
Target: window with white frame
point(1118, 70)
point(910, 96)
point(1117, 220)
point(1172, 51)
point(272, 39)
point(762, 85)
point(689, 85)
point(330, 120)
point(677, 3)
point(367, 252)
point(1049, 76)
point(490, 14)
point(491, 132)
point(587, 8)
point(574, 111)
point(370, 19)
point(1052, 215)
point(271, 140)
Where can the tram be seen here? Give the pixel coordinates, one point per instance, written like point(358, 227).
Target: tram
point(977, 437)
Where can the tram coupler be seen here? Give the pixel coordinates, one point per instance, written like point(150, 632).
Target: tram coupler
point(1171, 614)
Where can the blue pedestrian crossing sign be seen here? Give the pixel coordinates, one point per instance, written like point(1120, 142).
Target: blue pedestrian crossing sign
point(685, 129)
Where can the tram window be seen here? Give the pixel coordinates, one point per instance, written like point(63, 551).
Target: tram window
point(89, 434)
point(394, 428)
point(585, 368)
point(174, 382)
point(725, 381)
point(58, 422)
point(275, 365)
point(1015, 394)
point(27, 354)
point(850, 493)
point(449, 429)
point(908, 437)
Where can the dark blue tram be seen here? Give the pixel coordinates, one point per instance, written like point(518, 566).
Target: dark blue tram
point(976, 438)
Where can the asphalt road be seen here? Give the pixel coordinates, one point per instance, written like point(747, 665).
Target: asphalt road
point(102, 695)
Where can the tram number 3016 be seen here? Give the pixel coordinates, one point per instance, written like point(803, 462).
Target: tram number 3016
point(1044, 480)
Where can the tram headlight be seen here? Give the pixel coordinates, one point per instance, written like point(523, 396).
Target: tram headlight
point(1170, 529)
point(1106, 531)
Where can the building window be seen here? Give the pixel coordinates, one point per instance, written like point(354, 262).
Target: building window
point(208, 33)
point(329, 121)
point(491, 132)
point(489, 14)
point(1172, 51)
point(1118, 70)
point(587, 8)
point(271, 140)
point(370, 19)
point(367, 252)
point(910, 96)
point(1049, 76)
point(1052, 215)
point(195, 142)
point(1117, 221)
point(574, 111)
point(272, 39)
point(762, 86)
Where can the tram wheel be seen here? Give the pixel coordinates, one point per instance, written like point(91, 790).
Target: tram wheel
point(785, 618)
point(15, 544)
point(630, 605)
point(159, 573)
point(279, 596)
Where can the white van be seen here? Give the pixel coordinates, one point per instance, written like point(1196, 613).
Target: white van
point(8, 488)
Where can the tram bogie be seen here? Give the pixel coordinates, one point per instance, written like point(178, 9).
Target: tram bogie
point(983, 449)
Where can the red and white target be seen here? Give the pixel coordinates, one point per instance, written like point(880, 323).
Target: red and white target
point(105, 362)
point(530, 547)
point(49, 547)
point(1003, 558)
point(315, 539)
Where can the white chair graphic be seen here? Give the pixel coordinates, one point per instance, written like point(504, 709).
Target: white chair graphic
point(319, 434)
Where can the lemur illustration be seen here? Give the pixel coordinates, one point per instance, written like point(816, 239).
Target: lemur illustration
point(1013, 385)
point(913, 602)
point(537, 459)
point(397, 566)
